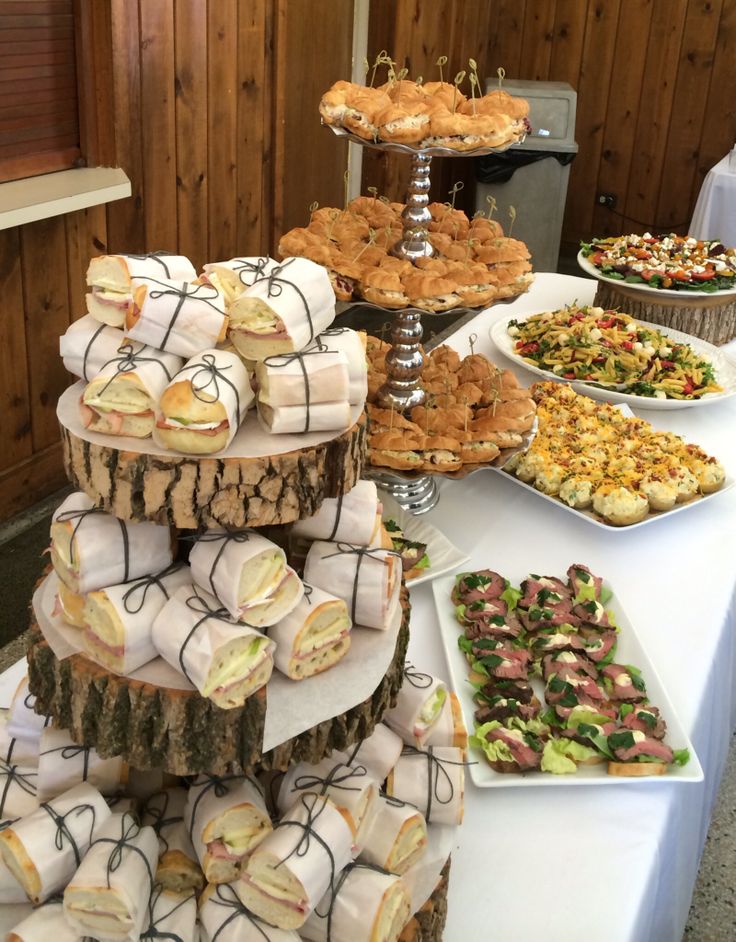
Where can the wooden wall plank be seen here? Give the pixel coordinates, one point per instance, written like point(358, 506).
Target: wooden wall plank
point(222, 43)
point(191, 126)
point(14, 400)
point(86, 236)
point(30, 480)
point(46, 299)
point(569, 37)
point(506, 37)
point(157, 115)
point(536, 46)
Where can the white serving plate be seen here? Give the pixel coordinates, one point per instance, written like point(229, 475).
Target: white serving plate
point(629, 651)
point(725, 370)
point(590, 268)
point(444, 556)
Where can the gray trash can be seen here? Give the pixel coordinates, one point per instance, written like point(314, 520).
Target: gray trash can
point(532, 177)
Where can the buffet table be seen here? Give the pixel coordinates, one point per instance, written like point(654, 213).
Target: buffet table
point(613, 863)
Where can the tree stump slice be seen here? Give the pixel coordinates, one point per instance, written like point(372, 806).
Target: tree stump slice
point(711, 318)
point(180, 731)
point(194, 492)
point(428, 924)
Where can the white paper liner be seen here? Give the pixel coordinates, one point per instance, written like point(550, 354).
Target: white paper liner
point(351, 344)
point(87, 345)
point(315, 375)
point(63, 764)
point(178, 316)
point(84, 810)
point(23, 721)
point(102, 543)
point(351, 518)
point(18, 791)
point(45, 923)
point(126, 868)
point(173, 914)
point(286, 632)
point(416, 691)
point(157, 265)
point(237, 274)
point(153, 368)
point(222, 905)
point(378, 753)
point(251, 440)
point(137, 603)
point(291, 420)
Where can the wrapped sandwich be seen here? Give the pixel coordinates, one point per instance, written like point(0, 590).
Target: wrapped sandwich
point(62, 764)
point(433, 780)
point(91, 549)
point(178, 869)
point(353, 344)
point(43, 849)
point(123, 395)
point(19, 795)
point(237, 274)
point(46, 922)
point(418, 707)
point(304, 380)
point(288, 874)
point(450, 729)
point(368, 580)
point(284, 312)
point(181, 317)
point(201, 409)
point(111, 279)
point(377, 753)
point(225, 660)
point(366, 906)
point(87, 345)
point(23, 722)
point(70, 605)
point(313, 637)
point(119, 619)
point(227, 819)
point(317, 417)
point(107, 898)
point(172, 916)
point(354, 517)
point(224, 918)
point(397, 836)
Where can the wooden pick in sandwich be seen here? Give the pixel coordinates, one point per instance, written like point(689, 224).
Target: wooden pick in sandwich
point(391, 420)
point(439, 63)
point(512, 217)
point(371, 241)
point(378, 61)
point(452, 193)
point(472, 341)
point(373, 190)
point(366, 68)
point(313, 207)
point(457, 81)
point(346, 180)
point(491, 200)
point(473, 85)
point(501, 73)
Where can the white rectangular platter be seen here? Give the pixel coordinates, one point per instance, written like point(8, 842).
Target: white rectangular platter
point(629, 651)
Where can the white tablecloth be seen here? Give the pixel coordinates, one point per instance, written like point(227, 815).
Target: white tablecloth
point(613, 863)
point(715, 211)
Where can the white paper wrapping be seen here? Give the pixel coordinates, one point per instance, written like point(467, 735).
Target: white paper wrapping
point(178, 316)
point(421, 879)
point(137, 603)
point(23, 721)
point(43, 924)
point(210, 797)
point(62, 764)
point(164, 812)
point(87, 345)
point(355, 907)
point(154, 368)
point(378, 753)
point(300, 295)
point(286, 633)
point(157, 265)
point(106, 550)
point(367, 580)
point(217, 375)
point(10, 890)
point(18, 791)
point(237, 274)
point(222, 914)
point(171, 914)
point(122, 857)
point(351, 518)
point(303, 379)
point(292, 420)
point(351, 789)
point(352, 344)
point(294, 842)
point(188, 635)
point(217, 559)
point(385, 830)
point(19, 750)
point(56, 851)
point(432, 780)
point(416, 692)
point(448, 731)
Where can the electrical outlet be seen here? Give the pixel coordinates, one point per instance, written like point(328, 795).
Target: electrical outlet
point(607, 199)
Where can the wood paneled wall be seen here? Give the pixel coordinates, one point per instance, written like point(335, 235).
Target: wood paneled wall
point(656, 87)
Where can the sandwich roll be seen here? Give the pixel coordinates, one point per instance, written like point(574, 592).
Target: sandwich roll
point(283, 600)
point(111, 279)
point(377, 753)
point(122, 397)
point(91, 549)
point(70, 605)
point(10, 890)
point(306, 378)
point(43, 850)
point(202, 408)
point(368, 580)
point(313, 636)
point(171, 915)
point(354, 516)
point(433, 780)
point(353, 344)
point(396, 838)
point(418, 707)
point(368, 905)
point(62, 764)
point(46, 922)
point(224, 918)
point(288, 874)
point(225, 661)
point(178, 867)
point(119, 619)
point(316, 417)
point(107, 898)
point(353, 792)
point(19, 795)
point(240, 568)
point(284, 312)
point(450, 729)
point(227, 819)
point(237, 274)
point(181, 317)
point(87, 345)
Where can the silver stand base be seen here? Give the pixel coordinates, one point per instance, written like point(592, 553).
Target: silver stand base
point(416, 495)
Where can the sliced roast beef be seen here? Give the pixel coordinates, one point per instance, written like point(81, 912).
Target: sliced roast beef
point(605, 729)
point(497, 626)
point(582, 581)
point(503, 709)
point(629, 744)
point(501, 658)
point(593, 613)
point(534, 585)
point(565, 707)
point(598, 644)
point(624, 683)
point(551, 615)
point(474, 586)
point(517, 689)
point(582, 683)
point(647, 720)
point(521, 746)
point(484, 608)
point(550, 641)
point(552, 663)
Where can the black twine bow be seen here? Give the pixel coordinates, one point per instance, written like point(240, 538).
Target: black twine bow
point(347, 549)
point(203, 609)
point(128, 361)
point(23, 779)
point(208, 373)
point(204, 293)
point(275, 288)
point(157, 817)
point(416, 678)
point(301, 848)
point(62, 829)
point(80, 516)
point(218, 785)
point(435, 769)
point(353, 865)
point(71, 752)
point(233, 902)
point(338, 775)
point(156, 257)
point(153, 932)
point(246, 267)
point(87, 350)
point(143, 585)
point(129, 829)
point(284, 359)
point(227, 537)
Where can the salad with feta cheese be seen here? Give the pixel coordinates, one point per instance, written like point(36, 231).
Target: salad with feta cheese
point(672, 262)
